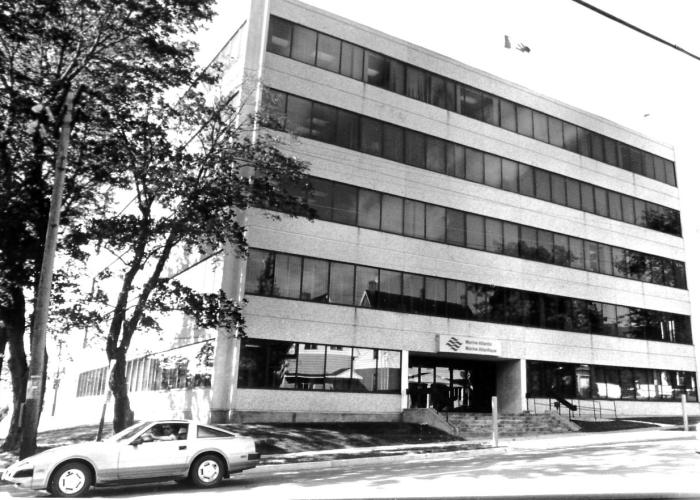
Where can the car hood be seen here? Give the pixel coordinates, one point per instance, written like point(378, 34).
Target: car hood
point(69, 450)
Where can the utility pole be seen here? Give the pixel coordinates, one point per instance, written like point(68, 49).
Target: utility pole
point(37, 375)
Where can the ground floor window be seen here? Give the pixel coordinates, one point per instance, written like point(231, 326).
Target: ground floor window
point(546, 379)
point(273, 364)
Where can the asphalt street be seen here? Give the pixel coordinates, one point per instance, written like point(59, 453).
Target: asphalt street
point(645, 469)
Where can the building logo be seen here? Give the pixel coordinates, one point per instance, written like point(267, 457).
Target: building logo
point(453, 344)
point(469, 345)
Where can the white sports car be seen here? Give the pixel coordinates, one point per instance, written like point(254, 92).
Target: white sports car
point(148, 451)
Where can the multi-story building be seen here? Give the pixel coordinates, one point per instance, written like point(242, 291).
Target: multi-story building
point(473, 239)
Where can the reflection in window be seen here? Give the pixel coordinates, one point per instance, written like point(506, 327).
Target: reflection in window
point(608, 382)
point(328, 55)
point(335, 126)
point(270, 364)
point(304, 45)
point(287, 276)
point(322, 50)
point(280, 37)
point(342, 279)
point(397, 291)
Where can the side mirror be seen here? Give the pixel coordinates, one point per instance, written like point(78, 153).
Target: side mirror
point(137, 441)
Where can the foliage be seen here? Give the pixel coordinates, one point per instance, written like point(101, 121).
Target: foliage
point(110, 51)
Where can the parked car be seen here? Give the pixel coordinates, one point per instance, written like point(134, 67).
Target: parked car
point(145, 452)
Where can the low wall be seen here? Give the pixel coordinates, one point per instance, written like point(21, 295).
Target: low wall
point(428, 416)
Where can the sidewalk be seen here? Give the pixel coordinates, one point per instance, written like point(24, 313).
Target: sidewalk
point(318, 458)
point(338, 457)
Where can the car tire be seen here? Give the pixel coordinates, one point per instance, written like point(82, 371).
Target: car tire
point(70, 480)
point(207, 471)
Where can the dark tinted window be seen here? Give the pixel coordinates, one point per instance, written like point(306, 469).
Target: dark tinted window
point(475, 232)
point(508, 117)
point(526, 180)
point(492, 170)
point(304, 45)
point(525, 121)
point(342, 279)
point(279, 40)
point(328, 54)
point(369, 209)
point(543, 189)
point(210, 432)
point(509, 173)
point(345, 204)
point(494, 236)
point(435, 223)
point(377, 69)
point(556, 132)
point(416, 83)
point(455, 227)
point(392, 139)
point(314, 284)
point(558, 189)
point(469, 102)
point(323, 122)
point(298, 116)
point(573, 193)
point(392, 214)
point(414, 219)
point(570, 139)
point(415, 148)
point(371, 138)
point(475, 166)
point(435, 149)
point(540, 126)
point(437, 91)
point(348, 130)
point(587, 200)
point(351, 60)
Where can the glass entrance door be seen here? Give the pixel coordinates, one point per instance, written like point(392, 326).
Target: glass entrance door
point(451, 384)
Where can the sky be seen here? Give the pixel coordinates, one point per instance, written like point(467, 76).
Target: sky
point(577, 56)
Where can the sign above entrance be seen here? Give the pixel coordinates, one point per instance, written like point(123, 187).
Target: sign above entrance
point(469, 345)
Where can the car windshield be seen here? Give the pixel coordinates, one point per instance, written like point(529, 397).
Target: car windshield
point(130, 432)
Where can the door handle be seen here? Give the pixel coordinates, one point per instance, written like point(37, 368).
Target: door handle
point(182, 447)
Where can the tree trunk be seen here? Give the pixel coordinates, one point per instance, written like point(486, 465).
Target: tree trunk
point(123, 416)
point(13, 318)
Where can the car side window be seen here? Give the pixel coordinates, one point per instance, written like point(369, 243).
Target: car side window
point(209, 432)
point(166, 432)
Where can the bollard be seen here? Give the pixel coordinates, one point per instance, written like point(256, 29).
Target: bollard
point(494, 413)
point(685, 413)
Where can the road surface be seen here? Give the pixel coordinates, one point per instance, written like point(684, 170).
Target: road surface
point(654, 469)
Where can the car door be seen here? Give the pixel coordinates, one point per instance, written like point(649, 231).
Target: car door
point(153, 459)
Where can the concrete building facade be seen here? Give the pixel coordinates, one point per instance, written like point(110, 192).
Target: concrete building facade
point(473, 239)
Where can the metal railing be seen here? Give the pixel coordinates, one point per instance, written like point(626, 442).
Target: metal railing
point(581, 408)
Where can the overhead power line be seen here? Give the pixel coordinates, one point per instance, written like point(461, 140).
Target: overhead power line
point(636, 28)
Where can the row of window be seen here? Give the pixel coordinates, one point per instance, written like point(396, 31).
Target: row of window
point(180, 368)
point(332, 54)
point(325, 123)
point(546, 379)
point(305, 278)
point(270, 364)
point(348, 204)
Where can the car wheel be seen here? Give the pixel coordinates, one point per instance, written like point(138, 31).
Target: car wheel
point(72, 479)
point(207, 471)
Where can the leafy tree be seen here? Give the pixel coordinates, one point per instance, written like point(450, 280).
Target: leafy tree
point(190, 189)
point(109, 51)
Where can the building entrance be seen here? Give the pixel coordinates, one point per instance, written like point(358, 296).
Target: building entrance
point(451, 384)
